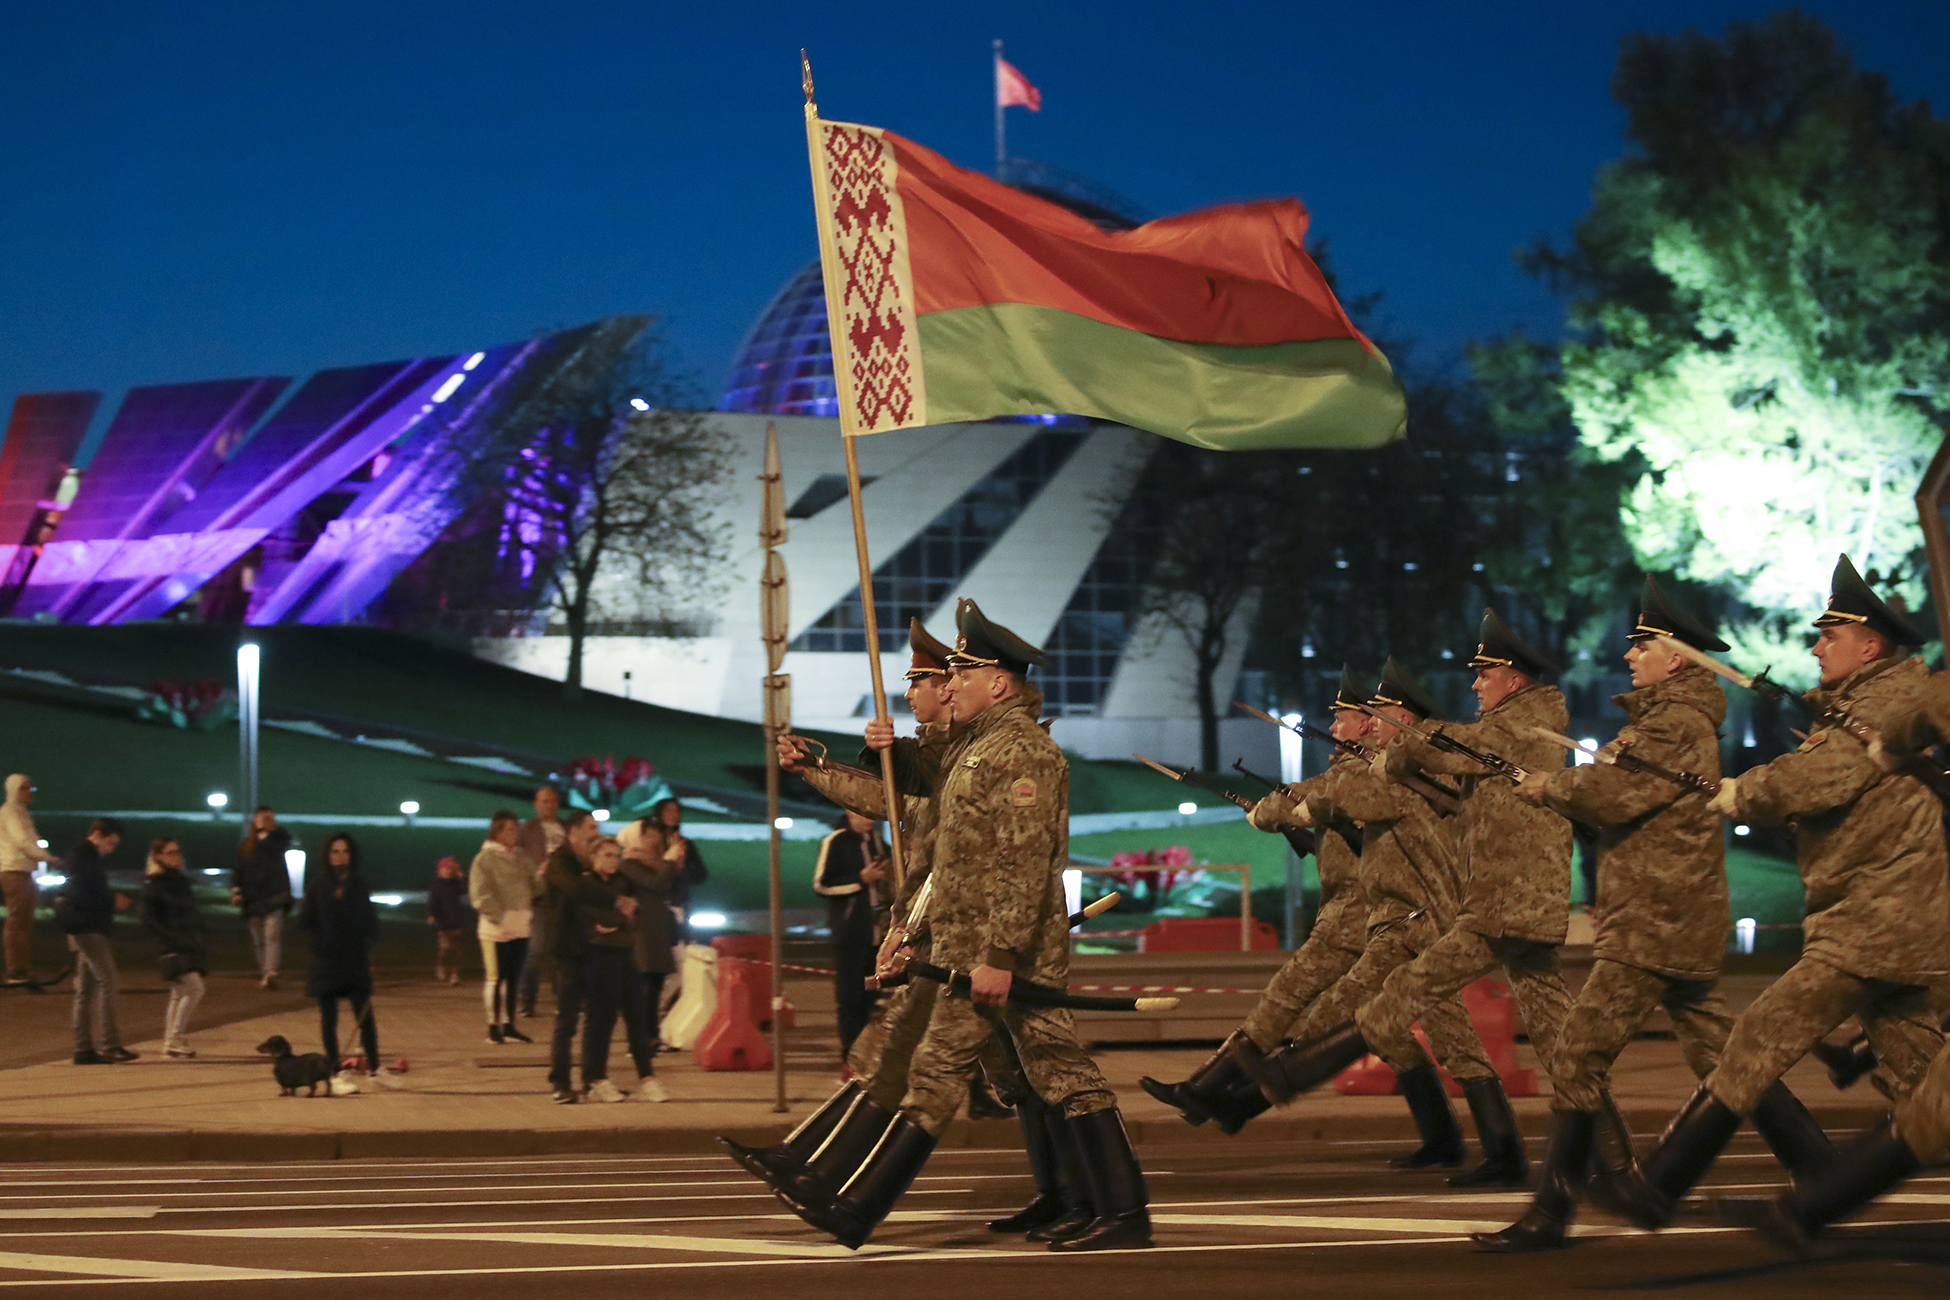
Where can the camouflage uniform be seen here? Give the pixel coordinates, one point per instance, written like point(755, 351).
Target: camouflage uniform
point(1518, 864)
point(1413, 886)
point(1662, 912)
point(1000, 849)
point(1339, 928)
point(1876, 930)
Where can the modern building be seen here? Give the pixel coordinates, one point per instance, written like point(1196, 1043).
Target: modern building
point(259, 501)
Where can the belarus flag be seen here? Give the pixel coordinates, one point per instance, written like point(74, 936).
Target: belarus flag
point(954, 297)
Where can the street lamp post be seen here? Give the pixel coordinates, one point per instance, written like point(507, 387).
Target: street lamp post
point(247, 676)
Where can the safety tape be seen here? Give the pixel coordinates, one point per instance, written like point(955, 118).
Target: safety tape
point(1089, 988)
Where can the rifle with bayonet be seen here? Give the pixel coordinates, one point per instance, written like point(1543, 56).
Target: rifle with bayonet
point(1622, 756)
point(1354, 747)
point(1924, 769)
point(1189, 777)
point(1299, 838)
point(1239, 766)
point(1442, 740)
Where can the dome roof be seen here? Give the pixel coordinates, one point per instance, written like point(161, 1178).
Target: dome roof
point(785, 365)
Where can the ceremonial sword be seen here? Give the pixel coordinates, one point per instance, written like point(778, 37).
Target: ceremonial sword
point(1625, 758)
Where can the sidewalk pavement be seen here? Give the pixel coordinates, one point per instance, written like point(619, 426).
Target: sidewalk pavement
point(463, 1096)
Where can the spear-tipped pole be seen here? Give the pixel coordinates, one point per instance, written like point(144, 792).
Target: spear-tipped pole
point(843, 385)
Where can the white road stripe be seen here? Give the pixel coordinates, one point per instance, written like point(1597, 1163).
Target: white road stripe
point(138, 1270)
point(731, 1179)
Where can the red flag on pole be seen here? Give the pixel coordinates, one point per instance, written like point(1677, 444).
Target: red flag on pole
point(1013, 89)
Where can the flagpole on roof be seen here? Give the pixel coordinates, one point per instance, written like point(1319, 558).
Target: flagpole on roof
point(1001, 147)
point(843, 386)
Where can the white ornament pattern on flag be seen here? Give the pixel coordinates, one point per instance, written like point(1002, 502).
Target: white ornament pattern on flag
point(876, 326)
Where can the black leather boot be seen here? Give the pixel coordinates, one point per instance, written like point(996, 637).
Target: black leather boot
point(1435, 1120)
point(1792, 1134)
point(1039, 1144)
point(1846, 1062)
point(1648, 1195)
point(1117, 1189)
point(1078, 1213)
point(1860, 1172)
point(836, 1159)
point(1566, 1158)
point(1284, 1074)
point(858, 1206)
point(1213, 1091)
point(1611, 1147)
point(1496, 1128)
point(785, 1158)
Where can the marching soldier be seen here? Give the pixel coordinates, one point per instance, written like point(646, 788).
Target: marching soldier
point(1876, 930)
point(1517, 864)
point(1220, 1089)
point(1661, 918)
point(997, 911)
point(1412, 877)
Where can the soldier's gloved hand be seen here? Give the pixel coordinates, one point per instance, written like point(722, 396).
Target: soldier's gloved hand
point(880, 733)
point(988, 986)
point(1531, 788)
point(1727, 802)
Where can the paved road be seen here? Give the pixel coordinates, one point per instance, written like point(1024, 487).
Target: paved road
point(1257, 1223)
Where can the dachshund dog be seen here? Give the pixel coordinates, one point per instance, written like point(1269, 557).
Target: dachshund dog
point(293, 1071)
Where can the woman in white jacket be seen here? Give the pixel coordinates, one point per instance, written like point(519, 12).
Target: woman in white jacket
point(502, 889)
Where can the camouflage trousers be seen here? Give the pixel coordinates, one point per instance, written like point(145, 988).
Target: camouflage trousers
point(1803, 1007)
point(1314, 967)
point(882, 1052)
point(1613, 1003)
point(959, 1034)
point(1451, 1033)
point(1442, 970)
point(1923, 1118)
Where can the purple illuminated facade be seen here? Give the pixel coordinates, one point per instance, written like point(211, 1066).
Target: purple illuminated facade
point(253, 500)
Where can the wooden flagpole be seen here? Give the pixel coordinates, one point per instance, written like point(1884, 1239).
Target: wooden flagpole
point(843, 385)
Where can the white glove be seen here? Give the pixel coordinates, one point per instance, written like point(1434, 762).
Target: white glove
point(1727, 802)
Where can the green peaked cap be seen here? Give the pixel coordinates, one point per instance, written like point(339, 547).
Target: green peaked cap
point(1658, 617)
point(980, 643)
point(1399, 687)
point(1351, 693)
point(930, 656)
point(1851, 600)
point(1497, 646)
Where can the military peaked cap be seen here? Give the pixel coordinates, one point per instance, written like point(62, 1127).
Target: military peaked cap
point(1658, 617)
point(980, 643)
point(1851, 601)
point(1351, 695)
point(1398, 687)
point(1498, 647)
point(930, 656)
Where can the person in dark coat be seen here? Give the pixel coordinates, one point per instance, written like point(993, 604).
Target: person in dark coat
point(650, 875)
point(341, 922)
point(260, 888)
point(86, 911)
point(541, 836)
point(583, 908)
point(681, 851)
point(183, 946)
point(450, 916)
point(850, 861)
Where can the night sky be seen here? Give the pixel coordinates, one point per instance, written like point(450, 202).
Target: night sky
point(198, 190)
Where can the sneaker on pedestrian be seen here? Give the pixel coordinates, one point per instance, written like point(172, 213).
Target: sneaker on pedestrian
point(89, 1056)
point(565, 1097)
point(119, 1055)
point(604, 1090)
point(386, 1078)
point(494, 1035)
point(180, 1051)
point(513, 1035)
point(652, 1089)
point(344, 1084)
point(268, 982)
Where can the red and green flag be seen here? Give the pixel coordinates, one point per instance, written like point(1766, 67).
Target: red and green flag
point(954, 297)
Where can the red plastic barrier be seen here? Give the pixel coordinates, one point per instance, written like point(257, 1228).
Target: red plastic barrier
point(1494, 1014)
point(1203, 934)
point(756, 952)
point(730, 1040)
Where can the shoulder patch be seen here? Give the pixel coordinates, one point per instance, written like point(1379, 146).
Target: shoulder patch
point(971, 762)
point(1022, 794)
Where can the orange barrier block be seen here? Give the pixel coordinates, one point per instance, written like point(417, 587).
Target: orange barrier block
point(730, 1040)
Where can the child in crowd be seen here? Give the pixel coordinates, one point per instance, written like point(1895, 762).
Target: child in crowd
point(447, 914)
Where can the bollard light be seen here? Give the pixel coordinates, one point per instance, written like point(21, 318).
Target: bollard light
point(601, 814)
point(217, 800)
point(410, 808)
point(294, 870)
point(1743, 934)
point(782, 823)
point(1187, 808)
point(708, 920)
point(1743, 830)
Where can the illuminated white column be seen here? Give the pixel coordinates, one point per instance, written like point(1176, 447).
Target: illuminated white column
point(247, 673)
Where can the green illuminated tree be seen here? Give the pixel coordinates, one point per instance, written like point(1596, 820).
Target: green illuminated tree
point(1761, 299)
